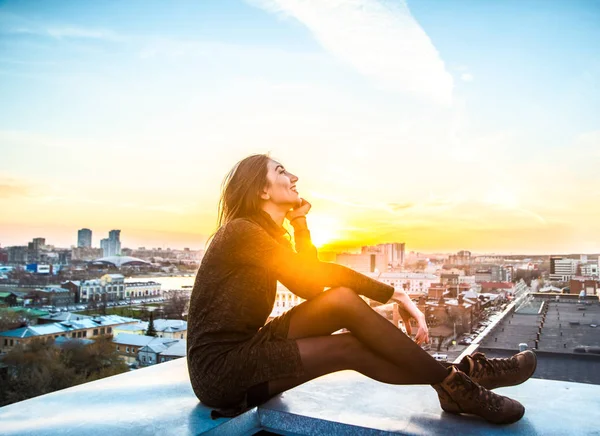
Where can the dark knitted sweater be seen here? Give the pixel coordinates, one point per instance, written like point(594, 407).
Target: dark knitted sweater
point(235, 287)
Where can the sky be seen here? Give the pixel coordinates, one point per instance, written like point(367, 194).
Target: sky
point(446, 125)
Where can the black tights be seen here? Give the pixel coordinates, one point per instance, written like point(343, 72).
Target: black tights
point(375, 347)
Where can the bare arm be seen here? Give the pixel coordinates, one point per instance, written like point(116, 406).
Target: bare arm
point(409, 310)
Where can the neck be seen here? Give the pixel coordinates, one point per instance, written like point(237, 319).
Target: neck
point(277, 214)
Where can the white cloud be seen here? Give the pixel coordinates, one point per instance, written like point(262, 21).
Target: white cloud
point(79, 32)
point(11, 23)
point(466, 77)
point(380, 39)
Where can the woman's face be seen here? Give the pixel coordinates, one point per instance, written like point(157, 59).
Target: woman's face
point(281, 186)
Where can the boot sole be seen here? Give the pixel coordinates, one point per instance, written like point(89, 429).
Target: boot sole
point(455, 410)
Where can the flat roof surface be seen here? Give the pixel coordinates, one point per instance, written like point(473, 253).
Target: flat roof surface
point(159, 400)
point(567, 325)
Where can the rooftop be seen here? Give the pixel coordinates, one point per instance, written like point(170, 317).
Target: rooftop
point(119, 261)
point(567, 330)
point(66, 326)
point(63, 316)
point(159, 400)
point(567, 326)
point(150, 343)
point(160, 325)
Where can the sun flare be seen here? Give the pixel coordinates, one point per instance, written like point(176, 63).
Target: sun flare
point(323, 229)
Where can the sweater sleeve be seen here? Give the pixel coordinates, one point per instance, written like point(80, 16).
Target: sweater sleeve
point(302, 239)
point(306, 276)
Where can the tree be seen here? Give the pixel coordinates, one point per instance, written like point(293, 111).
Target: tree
point(41, 367)
point(151, 330)
point(10, 320)
point(176, 305)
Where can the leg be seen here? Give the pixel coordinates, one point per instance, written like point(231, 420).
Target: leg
point(385, 352)
point(326, 354)
point(381, 351)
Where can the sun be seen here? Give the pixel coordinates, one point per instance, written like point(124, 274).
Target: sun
point(323, 229)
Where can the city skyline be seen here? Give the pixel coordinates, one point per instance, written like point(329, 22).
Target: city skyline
point(445, 125)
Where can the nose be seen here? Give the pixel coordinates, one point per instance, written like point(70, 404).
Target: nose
point(293, 178)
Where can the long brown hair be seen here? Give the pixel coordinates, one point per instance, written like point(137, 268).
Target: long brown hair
point(241, 189)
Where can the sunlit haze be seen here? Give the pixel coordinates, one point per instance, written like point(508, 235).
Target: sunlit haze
point(446, 125)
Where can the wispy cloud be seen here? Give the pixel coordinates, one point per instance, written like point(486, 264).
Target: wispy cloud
point(432, 203)
point(10, 188)
point(15, 24)
point(69, 32)
point(80, 32)
point(381, 39)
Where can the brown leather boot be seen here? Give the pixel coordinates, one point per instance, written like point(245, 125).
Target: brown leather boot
point(459, 394)
point(495, 373)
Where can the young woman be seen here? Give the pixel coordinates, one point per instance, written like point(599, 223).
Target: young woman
point(237, 361)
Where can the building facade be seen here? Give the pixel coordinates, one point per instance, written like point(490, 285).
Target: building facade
point(589, 286)
point(111, 246)
point(109, 287)
point(86, 254)
point(589, 269)
point(84, 238)
point(393, 252)
point(412, 283)
point(562, 269)
point(142, 289)
point(363, 262)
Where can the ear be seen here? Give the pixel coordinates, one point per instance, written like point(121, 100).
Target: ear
point(265, 196)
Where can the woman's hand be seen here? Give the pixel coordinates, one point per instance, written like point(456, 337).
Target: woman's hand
point(422, 336)
point(408, 310)
point(299, 211)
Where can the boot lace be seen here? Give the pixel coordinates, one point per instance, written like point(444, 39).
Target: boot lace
point(493, 367)
point(473, 392)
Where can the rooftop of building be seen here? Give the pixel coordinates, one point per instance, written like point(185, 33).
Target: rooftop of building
point(566, 336)
point(132, 339)
point(64, 316)
point(160, 325)
point(120, 261)
point(147, 283)
point(141, 340)
point(67, 326)
point(567, 326)
point(51, 289)
point(159, 400)
point(496, 285)
point(178, 349)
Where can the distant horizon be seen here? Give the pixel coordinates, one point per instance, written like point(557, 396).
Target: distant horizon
point(323, 249)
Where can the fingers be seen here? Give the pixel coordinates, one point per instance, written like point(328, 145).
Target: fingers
point(422, 336)
point(305, 206)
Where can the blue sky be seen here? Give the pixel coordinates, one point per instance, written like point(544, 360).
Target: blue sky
point(447, 124)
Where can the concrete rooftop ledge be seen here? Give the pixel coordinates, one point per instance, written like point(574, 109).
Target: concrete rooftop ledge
point(159, 401)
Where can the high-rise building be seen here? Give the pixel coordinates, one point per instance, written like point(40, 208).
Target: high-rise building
point(37, 244)
point(562, 269)
point(111, 246)
point(462, 258)
point(84, 238)
point(392, 252)
point(364, 262)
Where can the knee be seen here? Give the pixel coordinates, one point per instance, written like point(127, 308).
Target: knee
point(343, 296)
point(343, 301)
